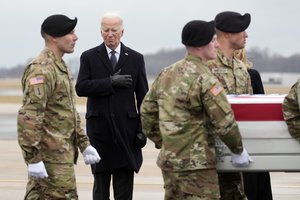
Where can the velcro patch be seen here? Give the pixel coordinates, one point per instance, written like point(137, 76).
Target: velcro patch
point(219, 71)
point(36, 80)
point(216, 89)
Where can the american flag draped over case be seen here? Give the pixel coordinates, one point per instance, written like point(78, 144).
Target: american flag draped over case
point(265, 135)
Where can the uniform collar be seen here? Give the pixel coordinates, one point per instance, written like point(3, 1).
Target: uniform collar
point(59, 62)
point(223, 59)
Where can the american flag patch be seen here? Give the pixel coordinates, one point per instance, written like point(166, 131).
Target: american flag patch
point(216, 89)
point(36, 80)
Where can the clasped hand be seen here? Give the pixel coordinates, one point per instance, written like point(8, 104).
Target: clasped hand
point(37, 170)
point(90, 155)
point(121, 81)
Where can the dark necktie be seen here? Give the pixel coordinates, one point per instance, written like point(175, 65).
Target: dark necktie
point(113, 59)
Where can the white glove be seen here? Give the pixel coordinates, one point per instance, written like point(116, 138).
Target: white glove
point(37, 170)
point(241, 160)
point(90, 155)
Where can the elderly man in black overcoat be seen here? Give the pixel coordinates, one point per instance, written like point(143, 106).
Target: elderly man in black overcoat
point(113, 78)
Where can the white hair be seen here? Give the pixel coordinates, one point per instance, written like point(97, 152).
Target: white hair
point(112, 15)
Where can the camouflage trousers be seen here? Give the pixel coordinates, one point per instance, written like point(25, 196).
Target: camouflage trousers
point(191, 185)
point(231, 186)
point(60, 184)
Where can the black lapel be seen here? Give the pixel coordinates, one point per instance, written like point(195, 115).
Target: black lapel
point(123, 57)
point(102, 53)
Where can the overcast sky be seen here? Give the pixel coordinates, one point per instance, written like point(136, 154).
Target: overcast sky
point(150, 25)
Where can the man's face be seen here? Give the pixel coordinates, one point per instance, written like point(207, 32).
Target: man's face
point(66, 43)
point(238, 40)
point(111, 31)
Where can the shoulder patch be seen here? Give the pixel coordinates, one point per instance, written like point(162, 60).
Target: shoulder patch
point(36, 80)
point(216, 89)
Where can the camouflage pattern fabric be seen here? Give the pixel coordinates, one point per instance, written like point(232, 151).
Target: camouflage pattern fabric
point(49, 127)
point(185, 108)
point(191, 185)
point(233, 75)
point(291, 110)
point(59, 185)
point(231, 186)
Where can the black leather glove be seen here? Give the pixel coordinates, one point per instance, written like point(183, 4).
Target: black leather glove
point(121, 81)
point(140, 140)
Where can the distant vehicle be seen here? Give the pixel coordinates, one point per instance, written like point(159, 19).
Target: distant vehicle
point(274, 80)
point(265, 135)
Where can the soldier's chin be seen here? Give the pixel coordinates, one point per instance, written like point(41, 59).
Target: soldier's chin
point(70, 51)
point(243, 45)
point(212, 57)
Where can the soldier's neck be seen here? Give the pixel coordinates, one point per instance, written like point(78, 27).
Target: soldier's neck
point(226, 50)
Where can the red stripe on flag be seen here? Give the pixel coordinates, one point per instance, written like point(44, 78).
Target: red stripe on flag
point(257, 112)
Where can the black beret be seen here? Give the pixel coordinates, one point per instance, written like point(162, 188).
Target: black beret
point(58, 25)
point(232, 22)
point(197, 33)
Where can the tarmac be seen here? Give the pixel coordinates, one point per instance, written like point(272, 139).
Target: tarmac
point(13, 175)
point(148, 182)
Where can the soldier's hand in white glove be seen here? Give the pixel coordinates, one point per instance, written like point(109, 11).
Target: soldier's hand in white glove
point(241, 160)
point(90, 155)
point(37, 170)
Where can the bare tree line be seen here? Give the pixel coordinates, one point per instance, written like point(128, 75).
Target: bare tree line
point(262, 60)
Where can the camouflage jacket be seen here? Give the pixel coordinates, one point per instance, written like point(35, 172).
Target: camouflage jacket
point(232, 74)
point(291, 110)
point(49, 126)
point(182, 112)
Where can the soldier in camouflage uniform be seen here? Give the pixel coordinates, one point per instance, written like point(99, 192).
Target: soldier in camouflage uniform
point(49, 130)
point(182, 112)
point(291, 110)
point(233, 74)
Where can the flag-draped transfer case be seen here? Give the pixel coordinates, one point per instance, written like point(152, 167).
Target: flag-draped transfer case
point(265, 135)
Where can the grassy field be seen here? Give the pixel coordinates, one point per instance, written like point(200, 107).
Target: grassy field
point(10, 84)
point(15, 84)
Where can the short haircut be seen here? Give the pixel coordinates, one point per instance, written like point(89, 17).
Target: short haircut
point(112, 15)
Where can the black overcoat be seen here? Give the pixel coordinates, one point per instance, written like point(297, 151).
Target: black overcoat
point(112, 118)
point(257, 185)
